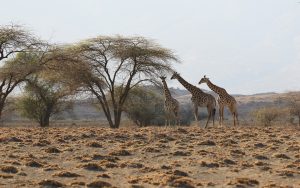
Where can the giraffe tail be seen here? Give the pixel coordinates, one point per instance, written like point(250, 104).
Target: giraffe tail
point(214, 112)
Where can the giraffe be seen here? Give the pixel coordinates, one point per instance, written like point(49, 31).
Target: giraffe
point(224, 100)
point(199, 98)
point(171, 105)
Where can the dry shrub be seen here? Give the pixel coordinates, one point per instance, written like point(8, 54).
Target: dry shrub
point(67, 174)
point(51, 183)
point(9, 169)
point(267, 115)
point(97, 184)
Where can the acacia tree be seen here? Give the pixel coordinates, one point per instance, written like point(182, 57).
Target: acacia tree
point(15, 62)
point(103, 64)
point(144, 107)
point(43, 98)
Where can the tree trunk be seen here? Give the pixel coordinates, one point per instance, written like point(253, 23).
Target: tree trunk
point(45, 118)
point(117, 114)
point(299, 120)
point(1, 107)
point(44, 121)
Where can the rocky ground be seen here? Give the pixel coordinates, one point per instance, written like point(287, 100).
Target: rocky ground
point(150, 157)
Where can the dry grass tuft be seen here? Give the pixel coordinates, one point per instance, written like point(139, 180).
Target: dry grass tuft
point(9, 169)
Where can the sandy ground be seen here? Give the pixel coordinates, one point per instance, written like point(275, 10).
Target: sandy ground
point(150, 157)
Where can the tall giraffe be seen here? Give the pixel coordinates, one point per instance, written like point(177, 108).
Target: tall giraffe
point(224, 100)
point(199, 98)
point(171, 104)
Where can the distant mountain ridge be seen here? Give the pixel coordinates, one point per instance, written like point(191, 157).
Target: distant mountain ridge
point(88, 110)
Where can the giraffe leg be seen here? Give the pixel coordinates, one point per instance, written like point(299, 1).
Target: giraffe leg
point(234, 114)
point(213, 114)
point(237, 119)
point(177, 120)
point(221, 114)
point(196, 113)
point(209, 110)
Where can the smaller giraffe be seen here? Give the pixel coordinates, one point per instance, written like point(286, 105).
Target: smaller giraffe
point(171, 105)
point(224, 100)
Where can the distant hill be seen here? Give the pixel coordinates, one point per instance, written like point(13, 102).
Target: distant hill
point(88, 110)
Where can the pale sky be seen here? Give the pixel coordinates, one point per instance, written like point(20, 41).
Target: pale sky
point(245, 46)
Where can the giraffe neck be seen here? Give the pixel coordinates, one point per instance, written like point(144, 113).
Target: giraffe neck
point(191, 88)
point(166, 90)
point(215, 88)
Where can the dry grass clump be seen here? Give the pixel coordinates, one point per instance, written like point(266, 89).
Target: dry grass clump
point(281, 156)
point(122, 152)
point(5, 176)
point(33, 163)
point(52, 150)
point(66, 174)
point(9, 169)
point(207, 143)
point(98, 184)
point(92, 167)
point(241, 182)
point(50, 183)
point(94, 145)
point(182, 153)
point(183, 182)
point(42, 143)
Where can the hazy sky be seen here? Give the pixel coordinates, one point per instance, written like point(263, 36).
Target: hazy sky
point(245, 46)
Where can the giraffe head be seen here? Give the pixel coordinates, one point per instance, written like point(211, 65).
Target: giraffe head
point(204, 80)
point(175, 75)
point(163, 78)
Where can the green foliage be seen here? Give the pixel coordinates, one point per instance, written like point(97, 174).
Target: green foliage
point(41, 100)
point(144, 107)
point(99, 65)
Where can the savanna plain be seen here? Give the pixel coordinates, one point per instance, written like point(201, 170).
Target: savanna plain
point(242, 156)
